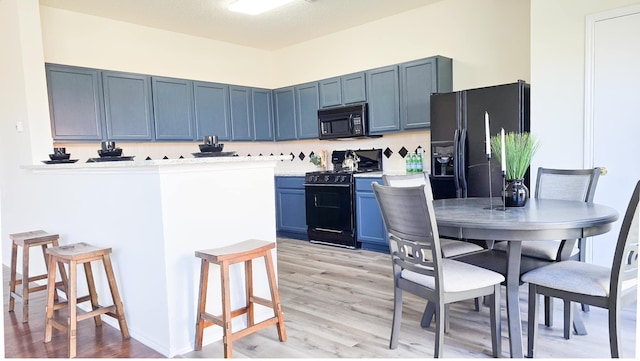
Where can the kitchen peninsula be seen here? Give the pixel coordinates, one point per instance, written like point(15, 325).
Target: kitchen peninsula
point(155, 214)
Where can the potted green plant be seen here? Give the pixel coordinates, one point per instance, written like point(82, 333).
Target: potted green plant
point(519, 148)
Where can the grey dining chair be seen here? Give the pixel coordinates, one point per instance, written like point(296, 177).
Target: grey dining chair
point(561, 184)
point(573, 281)
point(418, 265)
point(450, 247)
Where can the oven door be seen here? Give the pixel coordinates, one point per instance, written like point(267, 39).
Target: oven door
point(330, 207)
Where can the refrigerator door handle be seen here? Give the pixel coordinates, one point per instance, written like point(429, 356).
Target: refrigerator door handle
point(456, 161)
point(462, 164)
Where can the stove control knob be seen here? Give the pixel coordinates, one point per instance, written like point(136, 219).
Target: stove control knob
point(326, 178)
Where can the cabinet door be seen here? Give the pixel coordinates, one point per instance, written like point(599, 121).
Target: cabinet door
point(290, 205)
point(128, 109)
point(75, 103)
point(241, 113)
point(330, 92)
point(369, 221)
point(262, 114)
point(212, 110)
point(418, 80)
point(285, 113)
point(307, 104)
point(383, 99)
point(353, 88)
point(173, 108)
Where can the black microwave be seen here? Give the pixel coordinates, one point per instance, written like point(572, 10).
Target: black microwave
point(347, 121)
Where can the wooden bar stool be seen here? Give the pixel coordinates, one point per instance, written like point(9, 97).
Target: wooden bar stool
point(26, 240)
point(245, 252)
point(74, 255)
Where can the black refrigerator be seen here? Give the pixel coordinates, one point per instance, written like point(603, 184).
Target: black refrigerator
point(459, 166)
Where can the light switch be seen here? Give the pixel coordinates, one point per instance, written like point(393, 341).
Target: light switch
point(19, 126)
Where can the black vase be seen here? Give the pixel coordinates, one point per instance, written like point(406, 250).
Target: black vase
point(516, 193)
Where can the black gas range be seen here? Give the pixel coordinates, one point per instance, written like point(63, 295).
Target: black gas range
point(330, 198)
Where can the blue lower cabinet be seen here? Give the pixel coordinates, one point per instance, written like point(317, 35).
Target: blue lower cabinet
point(369, 221)
point(291, 219)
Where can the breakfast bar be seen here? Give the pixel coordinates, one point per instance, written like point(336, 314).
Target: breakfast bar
point(155, 214)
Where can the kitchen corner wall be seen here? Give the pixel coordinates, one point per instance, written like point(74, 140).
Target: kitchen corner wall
point(471, 32)
point(391, 145)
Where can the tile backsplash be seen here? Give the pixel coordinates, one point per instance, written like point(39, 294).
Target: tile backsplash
point(394, 147)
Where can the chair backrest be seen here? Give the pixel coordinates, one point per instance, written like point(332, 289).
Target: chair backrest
point(624, 273)
point(412, 231)
point(567, 184)
point(408, 180)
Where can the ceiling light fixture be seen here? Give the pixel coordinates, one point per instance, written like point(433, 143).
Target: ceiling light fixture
point(255, 7)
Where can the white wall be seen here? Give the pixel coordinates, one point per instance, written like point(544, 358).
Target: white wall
point(488, 41)
point(557, 77)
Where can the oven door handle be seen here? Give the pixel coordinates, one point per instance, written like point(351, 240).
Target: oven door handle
point(328, 185)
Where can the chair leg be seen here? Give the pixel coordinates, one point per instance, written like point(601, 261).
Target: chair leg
point(446, 318)
point(568, 319)
point(533, 320)
point(496, 325)
point(427, 316)
point(397, 318)
point(614, 332)
point(476, 304)
point(440, 312)
point(548, 311)
point(93, 294)
point(25, 284)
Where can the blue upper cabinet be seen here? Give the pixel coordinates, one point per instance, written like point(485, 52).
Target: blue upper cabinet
point(128, 108)
point(307, 104)
point(342, 90)
point(173, 109)
point(383, 98)
point(75, 103)
point(212, 115)
point(418, 80)
point(262, 114)
point(241, 113)
point(285, 113)
point(353, 88)
point(330, 92)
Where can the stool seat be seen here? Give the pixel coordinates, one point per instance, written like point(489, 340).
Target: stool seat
point(245, 252)
point(74, 255)
point(26, 240)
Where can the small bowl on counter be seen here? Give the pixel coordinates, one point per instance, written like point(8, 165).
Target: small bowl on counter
point(110, 153)
point(211, 148)
point(59, 156)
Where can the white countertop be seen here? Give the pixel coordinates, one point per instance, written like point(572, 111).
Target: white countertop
point(155, 163)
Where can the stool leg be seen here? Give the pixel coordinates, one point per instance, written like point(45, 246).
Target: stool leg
point(248, 274)
point(51, 284)
point(202, 301)
point(46, 263)
point(63, 273)
point(275, 297)
point(72, 321)
point(25, 283)
point(115, 295)
point(226, 310)
point(88, 273)
point(12, 281)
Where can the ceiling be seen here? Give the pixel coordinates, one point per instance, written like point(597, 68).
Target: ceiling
point(295, 22)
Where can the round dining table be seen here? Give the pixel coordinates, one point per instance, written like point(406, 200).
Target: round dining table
point(538, 220)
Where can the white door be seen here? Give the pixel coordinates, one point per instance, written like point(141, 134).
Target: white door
point(612, 114)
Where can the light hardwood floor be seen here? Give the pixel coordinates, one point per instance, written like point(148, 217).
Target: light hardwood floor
point(338, 303)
